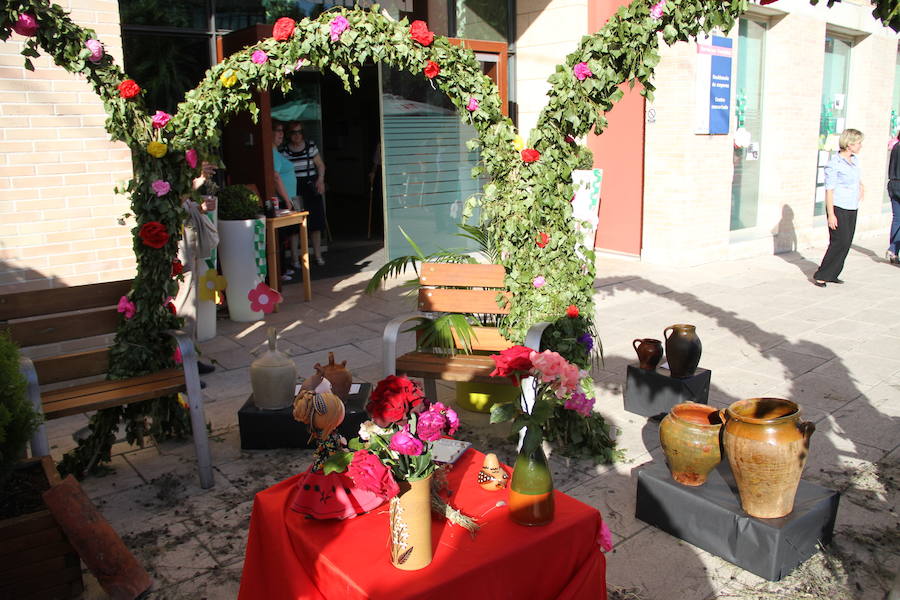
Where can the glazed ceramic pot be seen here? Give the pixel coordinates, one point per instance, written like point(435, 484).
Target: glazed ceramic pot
point(649, 352)
point(767, 445)
point(683, 349)
point(410, 522)
point(690, 437)
point(272, 377)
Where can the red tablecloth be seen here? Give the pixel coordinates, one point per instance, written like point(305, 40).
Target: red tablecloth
point(291, 557)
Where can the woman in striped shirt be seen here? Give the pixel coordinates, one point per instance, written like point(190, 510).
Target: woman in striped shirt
point(310, 173)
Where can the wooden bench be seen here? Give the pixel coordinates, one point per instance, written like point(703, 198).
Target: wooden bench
point(465, 289)
point(62, 314)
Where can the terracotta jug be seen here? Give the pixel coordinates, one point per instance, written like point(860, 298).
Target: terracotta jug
point(683, 349)
point(336, 374)
point(690, 437)
point(649, 352)
point(767, 445)
point(272, 377)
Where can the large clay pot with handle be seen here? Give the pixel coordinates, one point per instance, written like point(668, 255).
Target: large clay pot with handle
point(649, 352)
point(689, 436)
point(767, 445)
point(683, 349)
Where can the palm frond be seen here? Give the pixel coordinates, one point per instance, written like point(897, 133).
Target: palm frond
point(393, 268)
point(480, 236)
point(438, 333)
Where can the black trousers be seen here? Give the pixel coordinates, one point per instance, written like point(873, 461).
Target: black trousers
point(839, 241)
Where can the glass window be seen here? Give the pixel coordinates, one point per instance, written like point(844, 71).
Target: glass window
point(482, 20)
point(184, 14)
point(232, 15)
point(832, 119)
point(165, 65)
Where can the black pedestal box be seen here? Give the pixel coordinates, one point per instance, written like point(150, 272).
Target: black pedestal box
point(710, 517)
point(268, 429)
point(651, 393)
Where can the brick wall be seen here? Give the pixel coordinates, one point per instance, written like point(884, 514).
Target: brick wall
point(58, 169)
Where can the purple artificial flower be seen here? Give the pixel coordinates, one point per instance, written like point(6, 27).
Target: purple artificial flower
point(539, 282)
point(587, 341)
point(96, 49)
point(160, 187)
point(580, 403)
point(26, 25)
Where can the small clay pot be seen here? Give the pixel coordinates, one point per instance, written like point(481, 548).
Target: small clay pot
point(690, 437)
point(649, 352)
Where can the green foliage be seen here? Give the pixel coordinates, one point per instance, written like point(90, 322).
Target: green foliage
point(238, 203)
point(581, 437)
point(18, 420)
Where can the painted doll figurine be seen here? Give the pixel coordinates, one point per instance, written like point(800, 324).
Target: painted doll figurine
point(492, 477)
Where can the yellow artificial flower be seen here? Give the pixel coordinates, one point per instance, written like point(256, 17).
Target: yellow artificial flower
point(157, 149)
point(210, 283)
point(228, 78)
point(518, 143)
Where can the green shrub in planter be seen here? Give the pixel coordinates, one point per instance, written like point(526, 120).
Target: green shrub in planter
point(18, 420)
point(238, 203)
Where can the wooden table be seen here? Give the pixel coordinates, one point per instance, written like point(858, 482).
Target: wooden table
point(272, 225)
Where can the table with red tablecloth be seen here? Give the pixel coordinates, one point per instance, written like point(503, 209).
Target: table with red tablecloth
point(292, 557)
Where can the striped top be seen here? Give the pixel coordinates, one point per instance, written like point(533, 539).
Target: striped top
point(303, 159)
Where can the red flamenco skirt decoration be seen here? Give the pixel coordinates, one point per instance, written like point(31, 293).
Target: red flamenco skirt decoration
point(332, 496)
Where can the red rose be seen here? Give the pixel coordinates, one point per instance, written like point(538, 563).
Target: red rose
point(572, 311)
point(431, 69)
point(154, 234)
point(283, 29)
point(419, 32)
point(393, 399)
point(530, 155)
point(542, 240)
point(129, 89)
point(513, 362)
point(177, 268)
point(370, 474)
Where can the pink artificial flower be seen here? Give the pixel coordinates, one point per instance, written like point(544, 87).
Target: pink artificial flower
point(568, 381)
point(259, 57)
point(339, 25)
point(604, 538)
point(126, 307)
point(449, 414)
point(582, 71)
point(370, 474)
point(263, 298)
point(160, 119)
point(892, 143)
point(96, 49)
point(190, 157)
point(405, 443)
point(580, 403)
point(657, 10)
point(430, 425)
point(539, 282)
point(300, 63)
point(161, 187)
point(176, 356)
point(472, 106)
point(26, 25)
point(547, 365)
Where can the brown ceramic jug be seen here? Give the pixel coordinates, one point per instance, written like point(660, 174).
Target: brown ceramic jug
point(689, 435)
point(767, 445)
point(683, 349)
point(649, 352)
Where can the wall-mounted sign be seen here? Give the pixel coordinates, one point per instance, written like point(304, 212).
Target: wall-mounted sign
point(713, 85)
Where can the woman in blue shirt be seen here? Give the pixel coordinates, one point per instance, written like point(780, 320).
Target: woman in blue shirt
point(286, 188)
point(843, 193)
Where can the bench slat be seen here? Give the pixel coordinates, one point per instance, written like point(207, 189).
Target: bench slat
point(486, 339)
point(448, 368)
point(49, 330)
point(56, 300)
point(107, 394)
point(65, 367)
point(463, 275)
point(461, 301)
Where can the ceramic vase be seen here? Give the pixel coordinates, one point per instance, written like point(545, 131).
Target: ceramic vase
point(767, 445)
point(410, 522)
point(683, 349)
point(237, 254)
point(272, 377)
point(649, 352)
point(531, 486)
point(690, 438)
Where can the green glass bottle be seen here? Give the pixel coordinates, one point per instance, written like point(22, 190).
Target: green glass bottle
point(531, 487)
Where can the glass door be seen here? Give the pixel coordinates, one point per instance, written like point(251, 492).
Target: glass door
point(832, 119)
point(894, 124)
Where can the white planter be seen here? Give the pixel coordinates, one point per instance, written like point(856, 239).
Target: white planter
point(206, 309)
point(237, 254)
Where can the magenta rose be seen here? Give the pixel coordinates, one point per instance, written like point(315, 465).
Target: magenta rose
point(259, 57)
point(26, 25)
point(190, 156)
point(338, 25)
point(96, 49)
point(582, 71)
point(431, 425)
point(370, 474)
point(406, 443)
point(160, 119)
point(452, 419)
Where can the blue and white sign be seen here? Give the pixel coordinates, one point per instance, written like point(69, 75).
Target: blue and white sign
point(713, 85)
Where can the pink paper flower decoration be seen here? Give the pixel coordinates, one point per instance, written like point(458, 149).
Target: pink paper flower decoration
point(604, 538)
point(472, 106)
point(539, 282)
point(26, 25)
point(96, 49)
point(160, 119)
point(190, 157)
point(338, 25)
point(126, 307)
point(259, 57)
point(161, 187)
point(656, 11)
point(582, 71)
point(263, 298)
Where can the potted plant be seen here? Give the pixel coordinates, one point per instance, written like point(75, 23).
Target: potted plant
point(242, 241)
point(37, 557)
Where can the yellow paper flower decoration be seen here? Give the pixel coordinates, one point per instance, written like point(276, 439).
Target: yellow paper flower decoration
point(518, 143)
point(228, 78)
point(157, 149)
point(210, 283)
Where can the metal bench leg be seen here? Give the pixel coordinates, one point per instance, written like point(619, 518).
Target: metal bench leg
point(39, 444)
point(431, 389)
point(195, 402)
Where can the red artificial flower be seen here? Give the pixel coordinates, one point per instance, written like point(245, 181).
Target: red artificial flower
point(418, 31)
point(154, 234)
point(514, 362)
point(569, 139)
point(129, 89)
point(542, 240)
point(572, 311)
point(431, 69)
point(177, 268)
point(530, 155)
point(283, 29)
point(170, 306)
point(370, 474)
point(393, 399)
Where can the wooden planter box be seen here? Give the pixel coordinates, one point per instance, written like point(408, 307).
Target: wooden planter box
point(36, 559)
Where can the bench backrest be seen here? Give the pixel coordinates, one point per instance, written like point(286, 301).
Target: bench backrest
point(470, 289)
point(59, 315)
